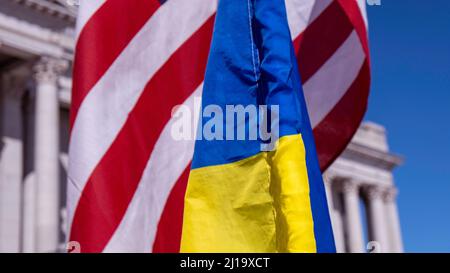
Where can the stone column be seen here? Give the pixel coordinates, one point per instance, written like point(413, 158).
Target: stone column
point(327, 180)
point(353, 222)
point(393, 223)
point(47, 153)
point(29, 214)
point(11, 161)
point(377, 219)
point(29, 181)
point(335, 213)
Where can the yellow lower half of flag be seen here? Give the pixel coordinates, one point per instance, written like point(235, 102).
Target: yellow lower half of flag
point(258, 204)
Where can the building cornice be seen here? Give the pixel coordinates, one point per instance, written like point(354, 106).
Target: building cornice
point(54, 8)
point(382, 159)
point(27, 38)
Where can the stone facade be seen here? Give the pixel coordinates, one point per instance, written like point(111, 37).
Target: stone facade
point(36, 49)
point(360, 182)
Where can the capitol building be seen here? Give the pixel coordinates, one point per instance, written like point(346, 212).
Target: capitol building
point(36, 49)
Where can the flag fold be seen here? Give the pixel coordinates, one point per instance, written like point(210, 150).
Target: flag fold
point(247, 195)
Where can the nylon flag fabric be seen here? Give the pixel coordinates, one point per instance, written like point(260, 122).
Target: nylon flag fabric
point(240, 198)
point(136, 62)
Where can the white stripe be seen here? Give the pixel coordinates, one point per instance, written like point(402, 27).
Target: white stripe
point(137, 230)
point(106, 107)
point(85, 12)
point(326, 88)
point(301, 13)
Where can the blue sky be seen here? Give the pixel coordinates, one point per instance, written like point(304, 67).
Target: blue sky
point(410, 95)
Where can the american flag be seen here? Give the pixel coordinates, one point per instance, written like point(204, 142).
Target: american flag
point(135, 61)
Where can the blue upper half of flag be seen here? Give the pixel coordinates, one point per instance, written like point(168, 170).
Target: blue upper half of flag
point(251, 62)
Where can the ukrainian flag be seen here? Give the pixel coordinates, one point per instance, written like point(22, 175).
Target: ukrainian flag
point(241, 197)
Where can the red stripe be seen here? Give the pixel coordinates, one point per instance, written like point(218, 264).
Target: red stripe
point(321, 39)
point(168, 236)
point(354, 14)
point(342, 122)
point(101, 41)
point(112, 184)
